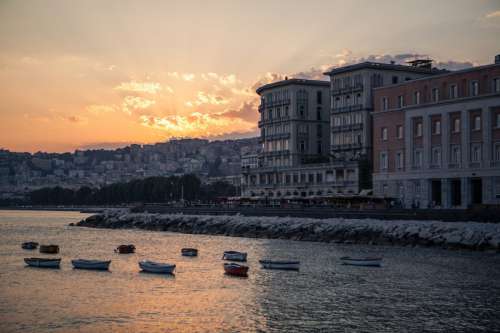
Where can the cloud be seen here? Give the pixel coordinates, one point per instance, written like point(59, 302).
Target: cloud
point(131, 103)
point(207, 98)
point(188, 76)
point(76, 119)
point(493, 15)
point(141, 87)
point(98, 109)
point(247, 111)
point(225, 80)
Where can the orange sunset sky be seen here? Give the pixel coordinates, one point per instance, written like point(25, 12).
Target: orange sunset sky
point(79, 74)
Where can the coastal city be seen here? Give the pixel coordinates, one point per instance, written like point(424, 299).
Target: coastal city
point(249, 166)
point(414, 134)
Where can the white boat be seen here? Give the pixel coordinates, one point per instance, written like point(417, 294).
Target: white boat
point(376, 262)
point(293, 265)
point(91, 264)
point(234, 256)
point(43, 262)
point(156, 267)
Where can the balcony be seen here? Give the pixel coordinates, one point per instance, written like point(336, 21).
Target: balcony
point(348, 146)
point(347, 90)
point(342, 128)
point(349, 108)
point(273, 121)
point(272, 104)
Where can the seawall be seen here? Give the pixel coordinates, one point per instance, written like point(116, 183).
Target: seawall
point(455, 235)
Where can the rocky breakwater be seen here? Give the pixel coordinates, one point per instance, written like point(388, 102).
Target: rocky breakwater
point(465, 235)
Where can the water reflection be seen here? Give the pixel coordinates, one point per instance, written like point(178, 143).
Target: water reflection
point(416, 290)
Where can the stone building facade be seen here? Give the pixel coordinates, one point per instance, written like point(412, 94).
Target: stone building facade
point(437, 139)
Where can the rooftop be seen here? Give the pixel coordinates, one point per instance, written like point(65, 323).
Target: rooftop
point(441, 75)
point(382, 66)
point(292, 81)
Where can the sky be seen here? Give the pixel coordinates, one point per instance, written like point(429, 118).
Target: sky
point(104, 74)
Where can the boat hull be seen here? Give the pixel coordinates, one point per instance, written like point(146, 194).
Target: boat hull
point(43, 262)
point(282, 265)
point(49, 249)
point(91, 264)
point(370, 262)
point(234, 256)
point(236, 270)
point(189, 252)
point(29, 245)
point(157, 268)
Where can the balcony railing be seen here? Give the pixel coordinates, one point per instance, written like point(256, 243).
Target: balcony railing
point(347, 90)
point(349, 127)
point(272, 104)
point(349, 108)
point(347, 146)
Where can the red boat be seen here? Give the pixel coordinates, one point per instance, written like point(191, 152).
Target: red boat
point(125, 249)
point(236, 269)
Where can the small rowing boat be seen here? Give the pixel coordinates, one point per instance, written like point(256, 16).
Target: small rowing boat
point(123, 249)
point(29, 245)
point(234, 256)
point(236, 269)
point(49, 249)
point(91, 264)
point(156, 267)
point(43, 262)
point(280, 264)
point(374, 262)
point(189, 252)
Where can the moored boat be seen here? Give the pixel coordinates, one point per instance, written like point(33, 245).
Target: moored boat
point(91, 264)
point(189, 252)
point(293, 265)
point(156, 267)
point(49, 248)
point(123, 249)
point(375, 262)
point(236, 269)
point(43, 262)
point(29, 245)
point(234, 256)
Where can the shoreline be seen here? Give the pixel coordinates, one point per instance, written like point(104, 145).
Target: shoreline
point(454, 235)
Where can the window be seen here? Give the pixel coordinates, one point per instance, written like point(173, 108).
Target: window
point(455, 154)
point(286, 111)
point(319, 97)
point(477, 123)
point(319, 147)
point(436, 156)
point(437, 127)
point(435, 94)
point(476, 153)
point(401, 101)
point(416, 97)
point(496, 85)
point(319, 132)
point(383, 161)
point(319, 177)
point(318, 113)
point(399, 160)
point(395, 79)
point(399, 130)
point(301, 111)
point(418, 159)
point(385, 103)
point(453, 91)
point(270, 117)
point(456, 125)
point(474, 88)
point(302, 146)
point(418, 130)
point(384, 133)
point(498, 120)
point(497, 151)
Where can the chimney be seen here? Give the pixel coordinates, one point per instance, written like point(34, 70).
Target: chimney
point(497, 59)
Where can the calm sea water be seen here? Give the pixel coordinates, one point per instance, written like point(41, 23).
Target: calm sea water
point(417, 289)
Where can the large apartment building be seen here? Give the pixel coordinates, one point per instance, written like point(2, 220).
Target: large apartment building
point(352, 105)
point(294, 124)
point(437, 139)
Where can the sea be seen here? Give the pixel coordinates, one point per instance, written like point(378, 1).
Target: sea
point(415, 290)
